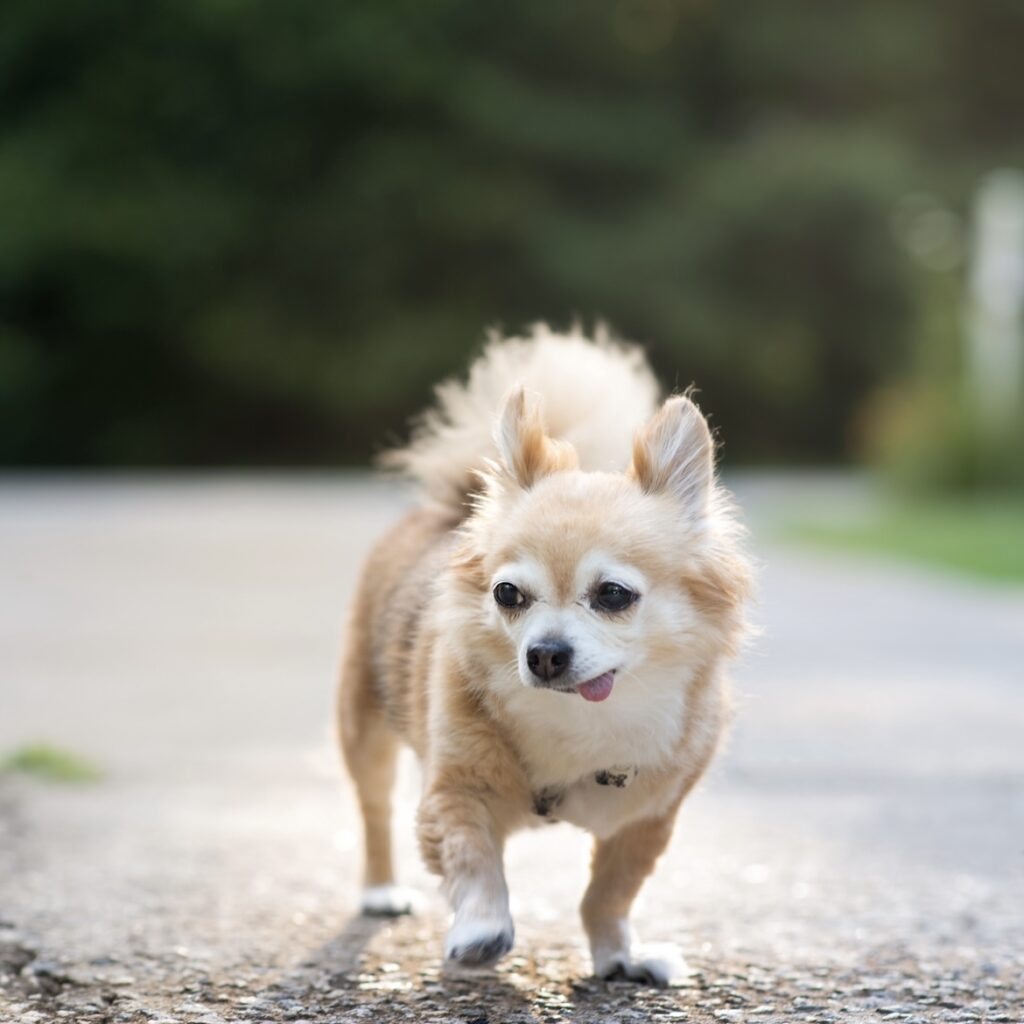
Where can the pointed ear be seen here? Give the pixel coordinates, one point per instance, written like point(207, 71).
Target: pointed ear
point(674, 452)
point(527, 452)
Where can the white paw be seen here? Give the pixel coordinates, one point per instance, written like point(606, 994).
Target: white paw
point(479, 943)
point(388, 901)
point(660, 966)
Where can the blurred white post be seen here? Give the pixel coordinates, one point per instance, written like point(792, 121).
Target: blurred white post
point(995, 339)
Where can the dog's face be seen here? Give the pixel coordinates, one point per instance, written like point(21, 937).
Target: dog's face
point(575, 619)
point(583, 588)
point(592, 580)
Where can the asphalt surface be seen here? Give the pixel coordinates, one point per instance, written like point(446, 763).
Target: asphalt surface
point(857, 852)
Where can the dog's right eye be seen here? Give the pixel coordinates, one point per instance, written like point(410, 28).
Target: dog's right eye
point(614, 597)
point(508, 595)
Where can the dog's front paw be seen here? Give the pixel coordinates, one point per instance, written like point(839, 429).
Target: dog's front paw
point(388, 901)
point(661, 967)
point(478, 943)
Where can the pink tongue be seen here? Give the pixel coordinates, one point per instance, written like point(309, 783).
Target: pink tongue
point(597, 689)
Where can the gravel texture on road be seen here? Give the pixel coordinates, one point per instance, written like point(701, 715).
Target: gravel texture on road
point(856, 854)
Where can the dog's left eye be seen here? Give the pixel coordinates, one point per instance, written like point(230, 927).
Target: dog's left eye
point(508, 595)
point(614, 597)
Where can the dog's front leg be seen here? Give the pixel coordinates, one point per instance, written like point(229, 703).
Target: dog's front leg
point(618, 870)
point(461, 840)
point(476, 793)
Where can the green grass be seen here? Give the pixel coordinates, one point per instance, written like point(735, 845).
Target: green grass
point(983, 538)
point(51, 764)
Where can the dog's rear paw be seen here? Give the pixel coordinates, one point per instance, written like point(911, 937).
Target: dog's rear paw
point(659, 967)
point(478, 943)
point(388, 901)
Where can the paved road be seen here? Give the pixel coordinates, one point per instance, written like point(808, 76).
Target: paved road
point(856, 854)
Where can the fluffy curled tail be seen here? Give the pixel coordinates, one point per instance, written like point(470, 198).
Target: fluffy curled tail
point(593, 393)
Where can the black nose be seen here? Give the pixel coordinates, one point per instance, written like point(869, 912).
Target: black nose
point(549, 659)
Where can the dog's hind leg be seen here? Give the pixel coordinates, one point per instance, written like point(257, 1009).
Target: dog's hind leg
point(370, 748)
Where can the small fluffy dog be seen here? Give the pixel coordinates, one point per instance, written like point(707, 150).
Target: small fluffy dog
point(547, 632)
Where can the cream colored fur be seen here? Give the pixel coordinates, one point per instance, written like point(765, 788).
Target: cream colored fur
point(553, 472)
point(596, 395)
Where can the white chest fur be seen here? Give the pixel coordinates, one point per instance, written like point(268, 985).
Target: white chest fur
point(602, 809)
point(562, 738)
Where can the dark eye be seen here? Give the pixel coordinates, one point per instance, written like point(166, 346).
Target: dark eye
point(508, 595)
point(614, 597)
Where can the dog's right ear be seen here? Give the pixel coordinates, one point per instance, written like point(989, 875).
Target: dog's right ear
point(527, 453)
point(674, 452)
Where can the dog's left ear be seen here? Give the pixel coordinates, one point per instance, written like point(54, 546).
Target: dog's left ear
point(527, 453)
point(674, 452)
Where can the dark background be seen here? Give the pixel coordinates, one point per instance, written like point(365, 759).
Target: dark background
point(257, 232)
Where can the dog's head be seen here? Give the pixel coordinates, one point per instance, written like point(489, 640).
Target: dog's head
point(586, 580)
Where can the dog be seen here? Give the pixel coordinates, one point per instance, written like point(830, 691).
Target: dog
point(548, 630)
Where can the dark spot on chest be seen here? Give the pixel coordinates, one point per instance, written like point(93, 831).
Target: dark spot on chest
point(546, 801)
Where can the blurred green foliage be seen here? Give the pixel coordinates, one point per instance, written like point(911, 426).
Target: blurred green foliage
point(925, 430)
point(257, 232)
point(977, 536)
point(50, 764)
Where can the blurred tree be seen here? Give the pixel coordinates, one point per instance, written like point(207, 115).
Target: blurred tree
point(258, 232)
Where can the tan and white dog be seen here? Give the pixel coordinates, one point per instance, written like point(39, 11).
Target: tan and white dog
point(547, 631)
